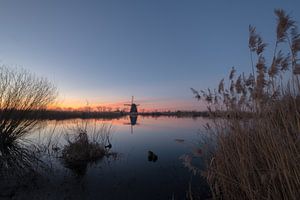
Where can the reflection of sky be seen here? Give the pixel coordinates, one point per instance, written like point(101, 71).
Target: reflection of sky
point(132, 176)
point(106, 51)
point(160, 135)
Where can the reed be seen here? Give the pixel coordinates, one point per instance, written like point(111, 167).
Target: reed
point(257, 157)
point(89, 144)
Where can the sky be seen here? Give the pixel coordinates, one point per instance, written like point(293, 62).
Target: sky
point(103, 52)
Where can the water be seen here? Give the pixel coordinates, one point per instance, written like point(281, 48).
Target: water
point(128, 173)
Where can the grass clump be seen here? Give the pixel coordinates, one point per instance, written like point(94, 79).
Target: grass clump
point(257, 157)
point(82, 150)
point(88, 145)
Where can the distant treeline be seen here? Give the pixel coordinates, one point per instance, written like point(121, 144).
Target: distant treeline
point(60, 115)
point(177, 113)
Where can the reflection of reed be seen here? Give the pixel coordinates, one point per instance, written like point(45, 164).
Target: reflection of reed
point(19, 167)
point(17, 160)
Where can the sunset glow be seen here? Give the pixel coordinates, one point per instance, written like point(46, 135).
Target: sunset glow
point(149, 105)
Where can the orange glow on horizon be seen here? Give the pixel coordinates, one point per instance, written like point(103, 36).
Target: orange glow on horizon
point(81, 106)
point(145, 105)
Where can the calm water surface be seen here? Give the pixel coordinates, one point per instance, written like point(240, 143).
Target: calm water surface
point(128, 173)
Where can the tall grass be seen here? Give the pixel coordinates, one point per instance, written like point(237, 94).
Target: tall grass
point(257, 154)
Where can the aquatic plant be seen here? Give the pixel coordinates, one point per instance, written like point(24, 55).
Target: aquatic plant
point(90, 144)
point(258, 145)
point(152, 157)
point(81, 149)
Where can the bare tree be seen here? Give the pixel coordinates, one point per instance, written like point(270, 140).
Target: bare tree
point(22, 96)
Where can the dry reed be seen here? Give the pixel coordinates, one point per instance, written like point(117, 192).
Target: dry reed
point(89, 143)
point(258, 157)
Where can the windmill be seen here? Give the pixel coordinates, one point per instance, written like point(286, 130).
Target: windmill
point(133, 107)
point(132, 113)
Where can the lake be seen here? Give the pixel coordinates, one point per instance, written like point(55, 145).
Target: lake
point(150, 158)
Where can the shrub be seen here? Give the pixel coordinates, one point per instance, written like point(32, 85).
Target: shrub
point(22, 95)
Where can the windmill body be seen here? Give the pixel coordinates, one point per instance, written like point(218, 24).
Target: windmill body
point(133, 107)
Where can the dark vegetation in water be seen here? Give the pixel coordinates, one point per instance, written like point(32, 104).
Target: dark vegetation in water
point(89, 145)
point(82, 150)
point(152, 157)
point(257, 157)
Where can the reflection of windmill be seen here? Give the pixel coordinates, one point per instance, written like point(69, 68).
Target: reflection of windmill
point(132, 113)
point(133, 107)
point(133, 121)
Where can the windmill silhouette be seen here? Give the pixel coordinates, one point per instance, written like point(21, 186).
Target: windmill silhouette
point(133, 114)
point(133, 107)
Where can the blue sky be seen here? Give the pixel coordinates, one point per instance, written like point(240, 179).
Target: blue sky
point(106, 51)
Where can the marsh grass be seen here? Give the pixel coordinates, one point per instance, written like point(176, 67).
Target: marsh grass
point(81, 149)
point(258, 157)
point(86, 145)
